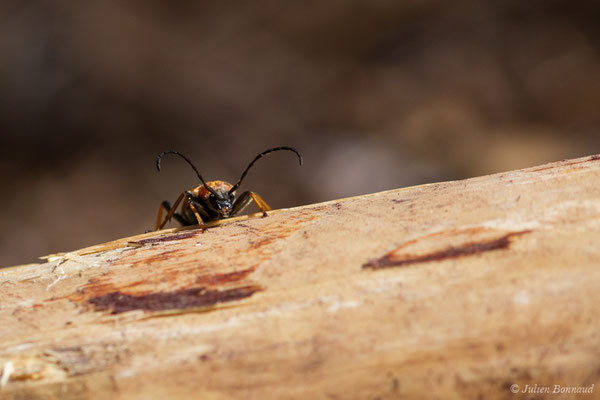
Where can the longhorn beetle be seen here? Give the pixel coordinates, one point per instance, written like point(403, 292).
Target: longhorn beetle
point(212, 200)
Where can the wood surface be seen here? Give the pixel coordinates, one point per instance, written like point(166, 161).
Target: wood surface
point(451, 290)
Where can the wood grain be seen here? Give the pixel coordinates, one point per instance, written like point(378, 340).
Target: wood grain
point(450, 290)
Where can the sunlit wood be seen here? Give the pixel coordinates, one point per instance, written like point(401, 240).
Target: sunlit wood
point(451, 290)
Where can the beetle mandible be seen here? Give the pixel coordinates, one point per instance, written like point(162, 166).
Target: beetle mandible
point(212, 200)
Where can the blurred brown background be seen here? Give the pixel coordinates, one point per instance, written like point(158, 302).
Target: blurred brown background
point(376, 95)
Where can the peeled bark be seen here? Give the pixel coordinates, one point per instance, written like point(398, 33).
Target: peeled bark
point(450, 290)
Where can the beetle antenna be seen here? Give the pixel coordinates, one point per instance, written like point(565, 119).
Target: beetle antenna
point(264, 153)
point(189, 162)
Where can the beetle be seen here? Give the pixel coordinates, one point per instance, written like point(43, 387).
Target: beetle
point(214, 200)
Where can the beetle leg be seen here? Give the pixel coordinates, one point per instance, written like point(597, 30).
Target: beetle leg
point(245, 198)
point(196, 208)
point(262, 205)
point(165, 205)
point(240, 203)
point(170, 213)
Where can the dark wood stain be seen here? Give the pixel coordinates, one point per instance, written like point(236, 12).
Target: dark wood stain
point(167, 238)
point(118, 302)
point(467, 249)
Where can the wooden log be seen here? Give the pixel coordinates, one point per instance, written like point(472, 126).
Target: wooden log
point(450, 290)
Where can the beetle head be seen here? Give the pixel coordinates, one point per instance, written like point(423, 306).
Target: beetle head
point(221, 202)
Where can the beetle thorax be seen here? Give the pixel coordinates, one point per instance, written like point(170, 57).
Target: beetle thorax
point(220, 187)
